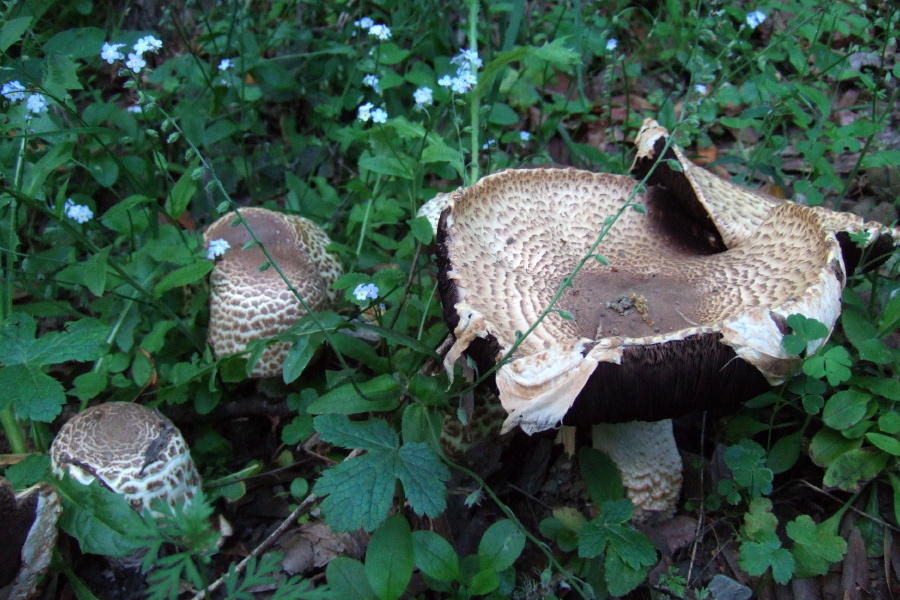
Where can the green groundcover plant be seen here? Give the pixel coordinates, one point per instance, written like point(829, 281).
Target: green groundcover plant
point(125, 132)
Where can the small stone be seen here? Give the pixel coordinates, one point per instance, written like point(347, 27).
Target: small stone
point(723, 587)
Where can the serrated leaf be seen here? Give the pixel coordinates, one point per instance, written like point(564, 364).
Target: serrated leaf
point(82, 341)
point(765, 553)
point(389, 558)
point(500, 546)
point(435, 556)
point(622, 577)
point(374, 434)
point(759, 518)
point(423, 475)
point(815, 547)
point(102, 521)
point(32, 394)
point(359, 491)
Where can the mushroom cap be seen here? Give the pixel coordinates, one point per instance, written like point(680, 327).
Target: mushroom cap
point(674, 324)
point(29, 520)
point(131, 449)
point(735, 211)
point(248, 304)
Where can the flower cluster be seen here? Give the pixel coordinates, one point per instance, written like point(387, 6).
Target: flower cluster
point(365, 112)
point(755, 19)
point(225, 64)
point(216, 248)
point(611, 44)
point(365, 291)
point(467, 64)
point(110, 52)
point(372, 82)
point(424, 96)
point(379, 30)
point(14, 91)
point(78, 212)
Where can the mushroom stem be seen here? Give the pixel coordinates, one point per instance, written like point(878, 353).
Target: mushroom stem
point(648, 461)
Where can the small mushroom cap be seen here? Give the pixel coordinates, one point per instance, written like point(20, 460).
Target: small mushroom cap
point(29, 520)
point(655, 333)
point(248, 304)
point(131, 449)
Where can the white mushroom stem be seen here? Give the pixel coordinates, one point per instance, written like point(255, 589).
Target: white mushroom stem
point(648, 461)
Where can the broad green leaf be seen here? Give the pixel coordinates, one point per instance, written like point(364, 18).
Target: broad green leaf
point(600, 475)
point(439, 152)
point(880, 386)
point(815, 547)
point(389, 558)
point(102, 521)
point(374, 434)
point(857, 327)
point(827, 445)
point(33, 394)
point(380, 394)
point(500, 546)
point(423, 475)
point(833, 364)
point(12, 31)
point(90, 273)
point(484, 582)
point(784, 453)
point(395, 337)
point(854, 468)
point(185, 275)
point(889, 319)
point(845, 408)
point(62, 75)
point(435, 556)
point(889, 423)
point(298, 357)
point(182, 192)
point(359, 491)
point(397, 166)
point(347, 579)
point(621, 576)
point(82, 341)
point(766, 552)
point(33, 469)
point(422, 423)
point(888, 443)
point(421, 229)
point(759, 518)
point(55, 157)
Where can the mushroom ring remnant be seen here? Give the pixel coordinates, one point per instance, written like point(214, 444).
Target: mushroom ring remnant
point(29, 524)
point(248, 304)
point(132, 450)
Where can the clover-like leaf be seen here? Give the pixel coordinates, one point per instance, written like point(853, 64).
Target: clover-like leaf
point(815, 546)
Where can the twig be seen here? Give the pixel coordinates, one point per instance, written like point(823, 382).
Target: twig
point(702, 500)
point(269, 541)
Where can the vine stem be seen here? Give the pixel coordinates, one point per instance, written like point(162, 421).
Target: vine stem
point(8, 420)
point(475, 104)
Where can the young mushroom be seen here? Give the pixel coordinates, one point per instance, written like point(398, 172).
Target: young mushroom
point(130, 449)
point(666, 322)
point(247, 303)
point(29, 524)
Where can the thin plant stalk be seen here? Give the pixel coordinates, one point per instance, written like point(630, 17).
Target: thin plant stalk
point(475, 102)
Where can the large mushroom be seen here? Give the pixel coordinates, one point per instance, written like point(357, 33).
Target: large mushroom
point(29, 524)
point(248, 304)
point(131, 450)
point(676, 321)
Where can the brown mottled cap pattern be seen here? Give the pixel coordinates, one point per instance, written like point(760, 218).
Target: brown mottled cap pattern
point(131, 449)
point(248, 304)
point(29, 524)
point(507, 243)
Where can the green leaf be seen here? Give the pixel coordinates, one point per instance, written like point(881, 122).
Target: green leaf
point(889, 319)
point(381, 394)
point(347, 579)
point(484, 582)
point(827, 445)
point(747, 463)
point(374, 434)
point(880, 386)
point(500, 546)
point(185, 275)
point(601, 476)
point(397, 166)
point(395, 337)
point(82, 341)
point(435, 556)
point(815, 546)
point(182, 192)
point(808, 329)
point(439, 152)
point(389, 558)
point(766, 552)
point(62, 75)
point(361, 490)
point(102, 521)
point(421, 229)
point(12, 31)
point(888, 443)
point(845, 408)
point(833, 364)
point(298, 357)
point(855, 467)
point(621, 576)
point(90, 273)
point(785, 452)
point(33, 394)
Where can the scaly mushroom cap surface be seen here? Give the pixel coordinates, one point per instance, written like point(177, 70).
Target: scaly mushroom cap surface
point(248, 304)
point(131, 449)
point(29, 524)
point(674, 324)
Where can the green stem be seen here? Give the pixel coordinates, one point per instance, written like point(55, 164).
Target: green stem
point(475, 103)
